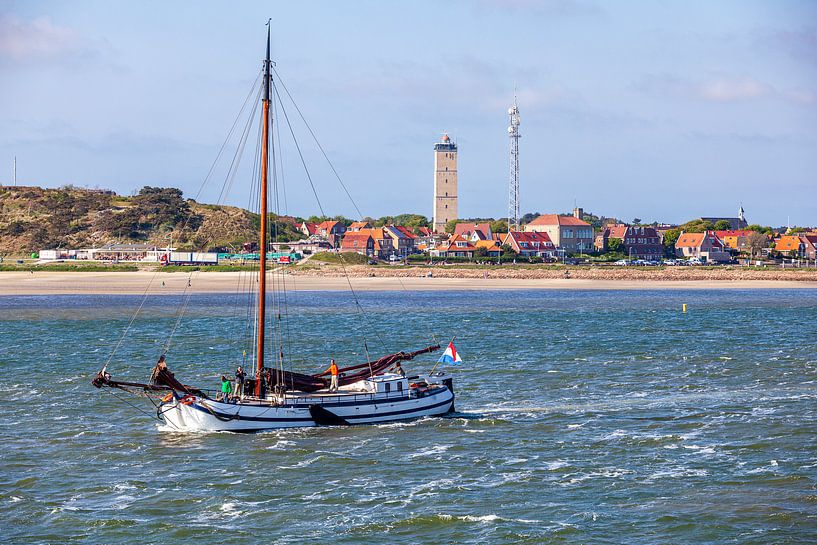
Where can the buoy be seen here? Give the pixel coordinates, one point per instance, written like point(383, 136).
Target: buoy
point(685, 308)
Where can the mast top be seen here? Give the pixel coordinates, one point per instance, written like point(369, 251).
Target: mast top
point(267, 64)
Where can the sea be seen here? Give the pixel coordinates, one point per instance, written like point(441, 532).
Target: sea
point(581, 417)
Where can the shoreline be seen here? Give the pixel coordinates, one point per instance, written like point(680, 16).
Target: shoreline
point(159, 283)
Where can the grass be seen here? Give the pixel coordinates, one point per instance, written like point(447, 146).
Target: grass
point(345, 258)
point(209, 268)
point(68, 267)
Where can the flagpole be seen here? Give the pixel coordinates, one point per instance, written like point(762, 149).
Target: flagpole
point(438, 361)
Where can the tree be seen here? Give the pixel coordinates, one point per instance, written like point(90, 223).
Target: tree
point(670, 238)
point(756, 242)
point(615, 245)
point(636, 221)
point(529, 217)
point(499, 226)
point(697, 226)
point(722, 225)
point(508, 252)
point(760, 229)
point(450, 226)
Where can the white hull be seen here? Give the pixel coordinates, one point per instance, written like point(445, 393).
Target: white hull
point(191, 413)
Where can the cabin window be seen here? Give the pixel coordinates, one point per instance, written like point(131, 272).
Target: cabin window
point(399, 386)
point(388, 387)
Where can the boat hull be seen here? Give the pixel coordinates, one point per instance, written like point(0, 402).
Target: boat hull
point(190, 413)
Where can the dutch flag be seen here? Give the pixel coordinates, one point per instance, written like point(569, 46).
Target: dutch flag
point(450, 355)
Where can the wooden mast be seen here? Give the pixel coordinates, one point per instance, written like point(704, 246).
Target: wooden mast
point(262, 276)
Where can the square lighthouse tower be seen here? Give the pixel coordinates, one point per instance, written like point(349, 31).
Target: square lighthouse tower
point(445, 183)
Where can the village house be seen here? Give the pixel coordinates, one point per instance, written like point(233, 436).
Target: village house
point(359, 243)
point(530, 244)
point(637, 242)
point(382, 243)
point(566, 232)
point(455, 246)
point(402, 239)
point(331, 230)
point(809, 241)
point(704, 246)
point(309, 229)
point(474, 231)
point(358, 225)
point(735, 239)
point(492, 247)
point(789, 246)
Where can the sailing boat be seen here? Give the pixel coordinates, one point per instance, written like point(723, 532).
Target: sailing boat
point(365, 393)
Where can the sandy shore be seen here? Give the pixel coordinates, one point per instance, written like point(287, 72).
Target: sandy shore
point(41, 283)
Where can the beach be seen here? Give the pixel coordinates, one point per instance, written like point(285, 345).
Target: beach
point(368, 279)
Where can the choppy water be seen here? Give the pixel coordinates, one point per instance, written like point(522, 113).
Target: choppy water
point(586, 417)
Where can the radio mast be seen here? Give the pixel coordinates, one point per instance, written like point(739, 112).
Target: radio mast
point(513, 190)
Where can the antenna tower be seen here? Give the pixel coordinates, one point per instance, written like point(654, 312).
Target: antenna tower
point(513, 189)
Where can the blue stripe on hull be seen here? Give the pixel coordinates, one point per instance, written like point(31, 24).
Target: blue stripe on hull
point(404, 412)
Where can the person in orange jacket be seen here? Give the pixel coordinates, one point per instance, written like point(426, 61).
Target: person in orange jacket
point(333, 369)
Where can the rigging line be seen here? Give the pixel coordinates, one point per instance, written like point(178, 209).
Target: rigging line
point(133, 318)
point(126, 402)
point(239, 153)
point(233, 166)
point(182, 309)
point(320, 206)
point(315, 138)
point(331, 165)
point(229, 134)
point(277, 133)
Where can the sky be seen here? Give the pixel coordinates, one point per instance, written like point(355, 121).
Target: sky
point(663, 111)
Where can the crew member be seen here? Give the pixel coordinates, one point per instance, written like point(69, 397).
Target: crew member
point(333, 370)
point(399, 370)
point(226, 388)
point(240, 375)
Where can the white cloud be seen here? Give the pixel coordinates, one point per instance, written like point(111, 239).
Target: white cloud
point(38, 39)
point(730, 90)
point(723, 89)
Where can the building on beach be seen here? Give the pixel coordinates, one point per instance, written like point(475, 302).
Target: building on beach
point(530, 243)
point(735, 239)
point(455, 246)
point(445, 183)
point(474, 231)
point(704, 246)
point(568, 233)
point(638, 242)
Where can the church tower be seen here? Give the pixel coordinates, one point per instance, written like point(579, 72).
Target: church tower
point(445, 183)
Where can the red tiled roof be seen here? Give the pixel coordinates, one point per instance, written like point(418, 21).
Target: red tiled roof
point(694, 240)
point(355, 241)
point(450, 245)
point(327, 225)
point(617, 231)
point(466, 229)
point(690, 240)
point(787, 243)
point(359, 225)
point(530, 236)
point(556, 219)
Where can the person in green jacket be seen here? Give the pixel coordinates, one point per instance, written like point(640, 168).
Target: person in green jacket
point(226, 389)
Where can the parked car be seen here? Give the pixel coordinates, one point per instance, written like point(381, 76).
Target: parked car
point(694, 261)
point(621, 262)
